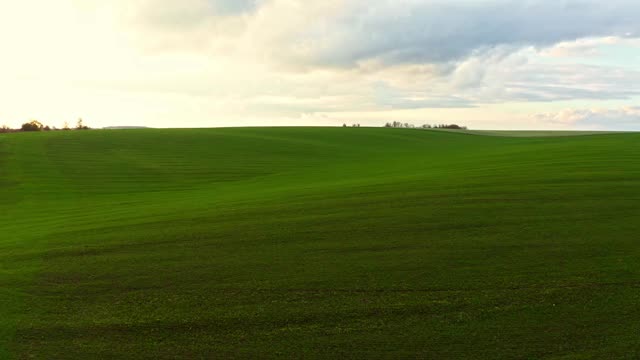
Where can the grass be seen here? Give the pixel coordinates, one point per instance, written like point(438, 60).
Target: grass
point(318, 243)
point(532, 133)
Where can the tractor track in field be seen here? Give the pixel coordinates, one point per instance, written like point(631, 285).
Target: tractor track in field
point(435, 290)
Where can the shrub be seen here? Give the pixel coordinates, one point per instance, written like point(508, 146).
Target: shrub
point(32, 125)
point(5, 129)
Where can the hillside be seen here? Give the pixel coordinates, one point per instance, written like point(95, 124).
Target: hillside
point(318, 243)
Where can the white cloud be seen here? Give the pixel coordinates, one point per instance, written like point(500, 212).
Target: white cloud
point(625, 118)
point(588, 47)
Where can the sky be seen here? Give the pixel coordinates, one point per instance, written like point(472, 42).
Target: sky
point(486, 64)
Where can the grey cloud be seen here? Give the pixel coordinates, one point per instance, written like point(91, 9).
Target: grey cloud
point(586, 82)
point(234, 7)
point(404, 31)
point(181, 15)
point(440, 31)
point(403, 54)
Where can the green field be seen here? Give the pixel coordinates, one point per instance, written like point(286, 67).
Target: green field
point(318, 243)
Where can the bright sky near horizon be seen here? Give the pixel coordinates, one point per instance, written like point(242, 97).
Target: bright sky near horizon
point(499, 64)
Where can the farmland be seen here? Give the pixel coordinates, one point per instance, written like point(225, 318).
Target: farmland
point(318, 243)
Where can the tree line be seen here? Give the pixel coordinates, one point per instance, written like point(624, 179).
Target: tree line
point(398, 124)
point(35, 125)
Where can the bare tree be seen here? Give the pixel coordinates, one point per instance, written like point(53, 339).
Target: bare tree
point(81, 126)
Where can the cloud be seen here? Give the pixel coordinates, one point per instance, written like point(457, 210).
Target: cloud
point(410, 31)
point(625, 118)
point(234, 7)
point(422, 54)
point(186, 14)
point(277, 60)
point(589, 47)
point(346, 33)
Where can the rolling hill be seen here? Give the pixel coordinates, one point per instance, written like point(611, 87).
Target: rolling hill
point(318, 243)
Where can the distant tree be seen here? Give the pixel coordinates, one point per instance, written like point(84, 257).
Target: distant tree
point(32, 125)
point(406, 125)
point(66, 126)
point(397, 124)
point(344, 125)
point(450, 127)
point(5, 129)
point(80, 125)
